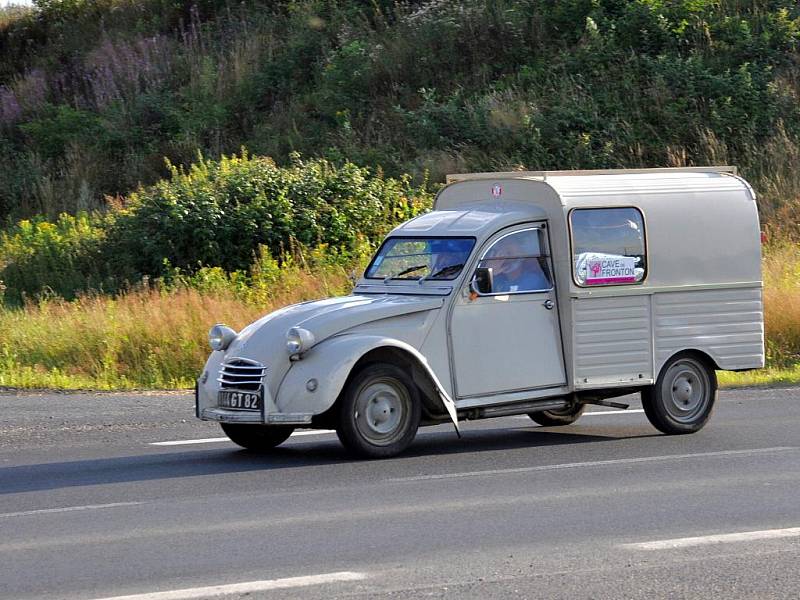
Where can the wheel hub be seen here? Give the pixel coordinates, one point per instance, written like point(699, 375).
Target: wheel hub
point(682, 390)
point(381, 408)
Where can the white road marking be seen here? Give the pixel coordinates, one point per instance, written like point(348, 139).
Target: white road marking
point(189, 442)
point(313, 432)
point(596, 463)
point(226, 439)
point(723, 538)
point(44, 511)
point(249, 587)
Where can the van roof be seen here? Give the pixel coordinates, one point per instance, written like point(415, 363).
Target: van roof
point(453, 177)
point(617, 182)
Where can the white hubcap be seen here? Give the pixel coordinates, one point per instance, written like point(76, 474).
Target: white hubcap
point(382, 408)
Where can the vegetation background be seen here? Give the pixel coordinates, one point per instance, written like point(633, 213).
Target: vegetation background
point(165, 164)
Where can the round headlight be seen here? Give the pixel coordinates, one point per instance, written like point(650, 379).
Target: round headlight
point(220, 337)
point(298, 340)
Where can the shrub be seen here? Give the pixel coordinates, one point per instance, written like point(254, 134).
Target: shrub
point(59, 126)
point(222, 214)
point(218, 213)
point(60, 258)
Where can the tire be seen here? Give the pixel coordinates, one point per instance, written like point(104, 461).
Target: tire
point(683, 396)
point(259, 438)
point(379, 412)
point(556, 418)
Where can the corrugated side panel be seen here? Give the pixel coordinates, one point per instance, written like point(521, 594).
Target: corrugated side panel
point(612, 340)
point(727, 324)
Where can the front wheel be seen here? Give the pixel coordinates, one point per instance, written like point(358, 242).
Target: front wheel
point(555, 418)
point(259, 438)
point(683, 396)
point(380, 412)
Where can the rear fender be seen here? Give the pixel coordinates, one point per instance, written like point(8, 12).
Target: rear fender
point(330, 363)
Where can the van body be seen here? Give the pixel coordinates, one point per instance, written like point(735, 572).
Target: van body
point(519, 293)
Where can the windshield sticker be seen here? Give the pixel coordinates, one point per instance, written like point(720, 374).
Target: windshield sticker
point(605, 270)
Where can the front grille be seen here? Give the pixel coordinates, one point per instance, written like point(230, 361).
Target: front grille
point(241, 374)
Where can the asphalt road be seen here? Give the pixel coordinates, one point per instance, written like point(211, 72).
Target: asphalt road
point(90, 508)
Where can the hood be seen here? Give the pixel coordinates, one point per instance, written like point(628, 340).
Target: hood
point(265, 340)
point(325, 318)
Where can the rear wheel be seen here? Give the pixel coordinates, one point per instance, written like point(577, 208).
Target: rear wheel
point(259, 438)
point(683, 396)
point(555, 418)
point(380, 412)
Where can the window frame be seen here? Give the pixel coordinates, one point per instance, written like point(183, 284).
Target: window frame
point(491, 244)
point(572, 247)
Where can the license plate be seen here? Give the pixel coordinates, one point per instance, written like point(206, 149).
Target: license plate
point(239, 400)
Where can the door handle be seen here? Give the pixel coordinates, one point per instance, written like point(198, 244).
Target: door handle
point(548, 304)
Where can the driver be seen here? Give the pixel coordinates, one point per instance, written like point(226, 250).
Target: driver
point(517, 272)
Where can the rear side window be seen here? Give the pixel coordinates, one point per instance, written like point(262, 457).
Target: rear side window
point(608, 246)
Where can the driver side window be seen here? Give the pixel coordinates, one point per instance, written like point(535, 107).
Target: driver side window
point(518, 263)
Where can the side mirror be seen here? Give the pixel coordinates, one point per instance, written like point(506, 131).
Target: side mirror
point(483, 281)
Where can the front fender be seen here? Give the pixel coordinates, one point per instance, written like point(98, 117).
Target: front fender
point(330, 363)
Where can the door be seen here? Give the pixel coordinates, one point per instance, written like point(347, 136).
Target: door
point(509, 339)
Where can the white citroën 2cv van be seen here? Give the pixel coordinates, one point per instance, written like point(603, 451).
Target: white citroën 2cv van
point(520, 293)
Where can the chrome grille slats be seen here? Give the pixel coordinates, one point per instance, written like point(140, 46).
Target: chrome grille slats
point(241, 374)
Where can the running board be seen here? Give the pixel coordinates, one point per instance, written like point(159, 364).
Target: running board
point(519, 408)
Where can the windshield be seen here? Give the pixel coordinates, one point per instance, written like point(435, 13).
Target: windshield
point(418, 258)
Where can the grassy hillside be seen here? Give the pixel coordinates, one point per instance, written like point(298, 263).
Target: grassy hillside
point(95, 93)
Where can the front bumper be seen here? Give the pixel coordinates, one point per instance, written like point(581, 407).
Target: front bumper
point(256, 417)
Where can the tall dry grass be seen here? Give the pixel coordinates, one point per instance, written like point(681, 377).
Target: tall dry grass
point(146, 338)
point(782, 304)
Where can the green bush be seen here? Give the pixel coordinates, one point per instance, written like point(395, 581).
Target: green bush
point(58, 258)
point(226, 214)
point(217, 213)
point(59, 126)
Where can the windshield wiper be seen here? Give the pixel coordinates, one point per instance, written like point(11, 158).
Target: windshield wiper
point(403, 272)
point(448, 270)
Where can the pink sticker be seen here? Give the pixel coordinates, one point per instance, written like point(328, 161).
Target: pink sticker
point(603, 271)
